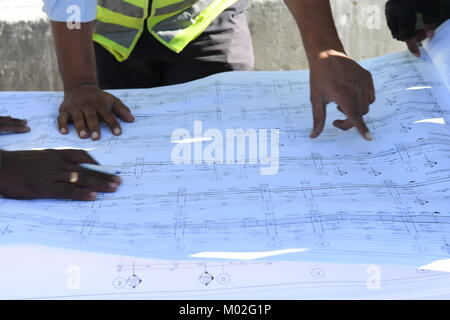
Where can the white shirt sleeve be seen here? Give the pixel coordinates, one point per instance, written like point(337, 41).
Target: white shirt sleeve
point(71, 10)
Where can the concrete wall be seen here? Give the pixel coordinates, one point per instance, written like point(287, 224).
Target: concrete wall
point(361, 25)
point(27, 59)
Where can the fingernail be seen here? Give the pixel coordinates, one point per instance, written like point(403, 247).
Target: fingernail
point(95, 135)
point(113, 185)
point(83, 134)
point(313, 134)
point(93, 195)
point(63, 130)
point(117, 131)
point(368, 136)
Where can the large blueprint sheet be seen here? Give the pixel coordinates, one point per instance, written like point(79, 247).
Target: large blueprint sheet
point(36, 272)
point(335, 199)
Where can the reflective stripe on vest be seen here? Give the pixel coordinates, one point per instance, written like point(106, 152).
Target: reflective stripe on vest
point(170, 27)
point(123, 7)
point(119, 25)
point(119, 34)
point(175, 24)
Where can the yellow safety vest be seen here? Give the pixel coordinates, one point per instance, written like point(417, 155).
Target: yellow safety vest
point(175, 23)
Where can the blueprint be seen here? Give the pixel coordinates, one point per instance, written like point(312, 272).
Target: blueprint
point(37, 272)
point(334, 199)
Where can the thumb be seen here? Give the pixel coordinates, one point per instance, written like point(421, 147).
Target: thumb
point(122, 111)
point(319, 115)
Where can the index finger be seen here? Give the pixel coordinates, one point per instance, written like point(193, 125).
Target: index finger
point(319, 115)
point(358, 122)
point(412, 46)
point(77, 156)
point(122, 111)
point(354, 109)
point(98, 175)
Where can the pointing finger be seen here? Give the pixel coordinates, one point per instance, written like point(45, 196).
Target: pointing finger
point(360, 125)
point(319, 115)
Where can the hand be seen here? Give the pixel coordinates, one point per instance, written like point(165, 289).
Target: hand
point(413, 43)
point(11, 125)
point(335, 77)
point(47, 174)
point(401, 17)
point(86, 105)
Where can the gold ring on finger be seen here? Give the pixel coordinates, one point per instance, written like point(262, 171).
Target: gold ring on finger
point(74, 176)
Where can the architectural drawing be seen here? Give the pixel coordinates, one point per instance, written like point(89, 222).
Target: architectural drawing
point(338, 198)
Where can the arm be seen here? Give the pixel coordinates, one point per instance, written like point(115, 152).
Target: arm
point(75, 53)
point(334, 76)
point(84, 102)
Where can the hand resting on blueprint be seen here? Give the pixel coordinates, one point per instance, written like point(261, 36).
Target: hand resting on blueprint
point(52, 174)
point(12, 125)
point(401, 16)
point(86, 105)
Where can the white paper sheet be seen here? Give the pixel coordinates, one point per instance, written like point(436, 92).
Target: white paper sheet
point(438, 48)
point(36, 272)
point(335, 199)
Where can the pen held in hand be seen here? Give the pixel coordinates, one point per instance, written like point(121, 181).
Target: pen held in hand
point(100, 169)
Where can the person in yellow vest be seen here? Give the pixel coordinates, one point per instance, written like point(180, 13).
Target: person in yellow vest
point(148, 43)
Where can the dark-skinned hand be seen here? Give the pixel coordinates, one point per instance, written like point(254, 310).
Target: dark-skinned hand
point(86, 105)
point(47, 174)
point(12, 125)
point(401, 17)
point(336, 77)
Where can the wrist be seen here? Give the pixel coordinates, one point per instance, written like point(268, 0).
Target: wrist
point(319, 50)
point(85, 85)
point(320, 56)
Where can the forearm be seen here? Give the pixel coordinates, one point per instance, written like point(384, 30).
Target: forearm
point(315, 21)
point(75, 52)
